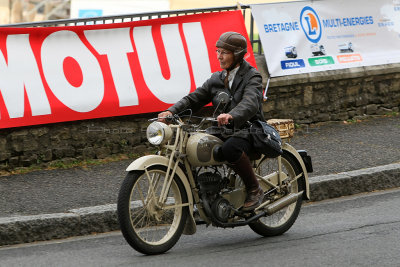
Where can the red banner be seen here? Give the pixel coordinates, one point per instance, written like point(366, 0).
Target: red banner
point(72, 73)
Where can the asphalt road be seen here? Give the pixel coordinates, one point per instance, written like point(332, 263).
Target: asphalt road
point(334, 147)
point(360, 230)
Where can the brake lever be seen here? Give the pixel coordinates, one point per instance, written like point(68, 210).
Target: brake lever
point(168, 119)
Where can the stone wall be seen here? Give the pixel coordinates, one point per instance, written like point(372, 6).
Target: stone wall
point(335, 95)
point(72, 141)
point(308, 98)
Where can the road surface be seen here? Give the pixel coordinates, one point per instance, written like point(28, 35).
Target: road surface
point(362, 230)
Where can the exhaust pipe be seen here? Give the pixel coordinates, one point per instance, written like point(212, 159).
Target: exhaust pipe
point(283, 202)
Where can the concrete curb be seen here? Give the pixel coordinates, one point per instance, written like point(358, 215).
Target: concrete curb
point(355, 182)
point(100, 219)
point(75, 222)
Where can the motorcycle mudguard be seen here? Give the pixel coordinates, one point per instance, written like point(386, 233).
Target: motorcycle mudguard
point(145, 162)
point(288, 148)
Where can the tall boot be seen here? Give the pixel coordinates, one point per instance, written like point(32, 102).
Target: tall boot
point(255, 194)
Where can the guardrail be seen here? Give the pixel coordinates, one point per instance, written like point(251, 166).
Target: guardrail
point(254, 39)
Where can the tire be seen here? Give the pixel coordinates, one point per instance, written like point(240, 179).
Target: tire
point(146, 226)
point(281, 221)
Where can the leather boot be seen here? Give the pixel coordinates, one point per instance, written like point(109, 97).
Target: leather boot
point(255, 194)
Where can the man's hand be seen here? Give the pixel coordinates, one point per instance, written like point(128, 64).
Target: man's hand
point(224, 118)
point(163, 115)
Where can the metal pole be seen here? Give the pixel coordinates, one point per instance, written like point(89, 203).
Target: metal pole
point(265, 97)
point(9, 13)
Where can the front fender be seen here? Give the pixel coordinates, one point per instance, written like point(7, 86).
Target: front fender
point(287, 147)
point(145, 162)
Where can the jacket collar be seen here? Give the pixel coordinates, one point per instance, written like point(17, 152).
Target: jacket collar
point(239, 75)
point(242, 70)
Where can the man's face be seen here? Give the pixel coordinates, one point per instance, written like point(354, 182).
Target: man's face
point(225, 58)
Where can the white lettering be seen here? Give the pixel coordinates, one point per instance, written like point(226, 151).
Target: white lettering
point(116, 43)
point(178, 85)
point(292, 64)
point(321, 61)
point(60, 45)
point(21, 70)
point(198, 52)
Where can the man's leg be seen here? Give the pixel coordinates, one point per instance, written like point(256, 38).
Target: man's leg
point(235, 151)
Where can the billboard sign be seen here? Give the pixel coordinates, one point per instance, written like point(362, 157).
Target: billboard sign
point(56, 74)
point(310, 36)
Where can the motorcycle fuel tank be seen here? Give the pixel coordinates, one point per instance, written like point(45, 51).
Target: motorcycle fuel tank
point(200, 149)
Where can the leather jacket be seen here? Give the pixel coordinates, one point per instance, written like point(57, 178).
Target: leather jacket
point(245, 94)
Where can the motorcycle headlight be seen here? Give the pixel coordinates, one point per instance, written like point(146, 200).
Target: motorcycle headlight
point(158, 133)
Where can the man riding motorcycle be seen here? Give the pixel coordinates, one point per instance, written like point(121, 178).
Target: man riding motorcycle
point(244, 84)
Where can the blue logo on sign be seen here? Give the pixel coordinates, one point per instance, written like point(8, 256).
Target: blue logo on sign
point(88, 13)
point(311, 24)
point(292, 64)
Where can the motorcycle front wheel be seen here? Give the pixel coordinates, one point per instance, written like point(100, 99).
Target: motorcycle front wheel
point(281, 221)
point(149, 225)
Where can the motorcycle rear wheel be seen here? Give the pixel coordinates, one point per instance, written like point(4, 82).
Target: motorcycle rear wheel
point(281, 221)
point(148, 226)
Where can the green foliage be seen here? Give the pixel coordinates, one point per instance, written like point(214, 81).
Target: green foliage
point(393, 113)
point(69, 163)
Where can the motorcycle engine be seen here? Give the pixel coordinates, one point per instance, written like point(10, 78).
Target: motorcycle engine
point(210, 183)
point(210, 186)
point(221, 209)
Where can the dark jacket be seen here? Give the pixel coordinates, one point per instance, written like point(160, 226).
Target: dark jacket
point(246, 96)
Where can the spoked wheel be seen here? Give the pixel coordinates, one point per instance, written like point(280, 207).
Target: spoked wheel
point(281, 221)
point(150, 223)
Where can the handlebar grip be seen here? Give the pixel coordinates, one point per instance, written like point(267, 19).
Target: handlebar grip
point(230, 124)
point(169, 118)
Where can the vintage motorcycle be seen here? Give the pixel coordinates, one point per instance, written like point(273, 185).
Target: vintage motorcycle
point(188, 182)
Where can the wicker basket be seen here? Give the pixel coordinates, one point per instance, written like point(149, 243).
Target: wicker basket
point(285, 127)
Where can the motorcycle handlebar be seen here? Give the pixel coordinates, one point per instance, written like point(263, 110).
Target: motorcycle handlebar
point(168, 119)
point(176, 119)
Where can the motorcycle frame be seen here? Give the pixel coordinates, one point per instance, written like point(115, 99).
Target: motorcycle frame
point(175, 156)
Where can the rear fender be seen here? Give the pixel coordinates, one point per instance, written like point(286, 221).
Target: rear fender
point(145, 162)
point(296, 156)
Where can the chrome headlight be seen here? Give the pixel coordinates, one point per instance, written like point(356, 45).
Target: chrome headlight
point(158, 133)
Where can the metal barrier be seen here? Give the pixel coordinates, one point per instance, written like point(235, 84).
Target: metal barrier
point(254, 39)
